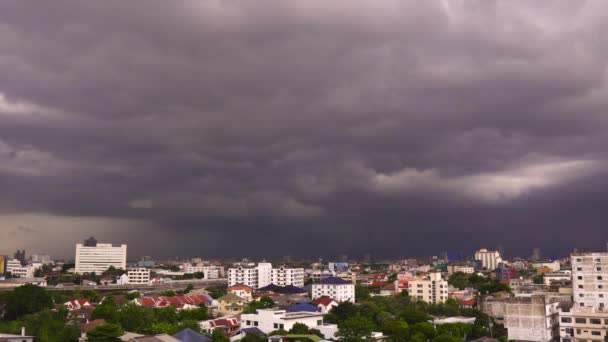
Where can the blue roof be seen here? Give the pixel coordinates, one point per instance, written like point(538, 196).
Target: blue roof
point(189, 335)
point(289, 289)
point(334, 281)
point(253, 330)
point(302, 307)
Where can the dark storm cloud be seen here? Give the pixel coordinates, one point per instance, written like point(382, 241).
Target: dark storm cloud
point(399, 127)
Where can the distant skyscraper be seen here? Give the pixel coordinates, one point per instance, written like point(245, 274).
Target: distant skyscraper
point(343, 257)
point(90, 242)
point(367, 258)
point(535, 254)
point(20, 255)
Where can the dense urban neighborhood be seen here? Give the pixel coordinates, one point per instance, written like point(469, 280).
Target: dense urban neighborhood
point(101, 296)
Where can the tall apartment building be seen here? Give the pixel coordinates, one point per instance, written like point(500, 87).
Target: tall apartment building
point(100, 257)
point(263, 275)
point(489, 259)
point(587, 318)
point(432, 289)
point(287, 276)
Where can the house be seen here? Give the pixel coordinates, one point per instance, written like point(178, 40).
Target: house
point(231, 304)
point(241, 290)
point(88, 326)
point(325, 304)
point(189, 335)
point(77, 304)
point(334, 287)
point(183, 302)
point(268, 320)
point(228, 324)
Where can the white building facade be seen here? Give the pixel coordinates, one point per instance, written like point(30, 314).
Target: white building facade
point(138, 276)
point(268, 320)
point(333, 287)
point(489, 259)
point(263, 275)
point(99, 258)
point(287, 276)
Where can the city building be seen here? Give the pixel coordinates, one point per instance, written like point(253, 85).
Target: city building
point(138, 276)
point(231, 304)
point(241, 290)
point(587, 318)
point(431, 289)
point(489, 259)
point(333, 287)
point(42, 259)
point(460, 268)
point(283, 276)
point(263, 275)
point(268, 320)
point(100, 257)
point(557, 277)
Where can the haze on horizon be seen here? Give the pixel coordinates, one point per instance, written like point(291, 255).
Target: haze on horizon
point(304, 127)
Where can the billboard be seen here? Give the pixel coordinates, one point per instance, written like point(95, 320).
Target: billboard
point(2, 264)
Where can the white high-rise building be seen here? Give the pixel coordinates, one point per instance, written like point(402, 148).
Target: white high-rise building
point(139, 276)
point(587, 319)
point(489, 259)
point(99, 258)
point(264, 274)
point(287, 276)
point(243, 275)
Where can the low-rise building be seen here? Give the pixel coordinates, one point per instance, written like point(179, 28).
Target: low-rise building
point(138, 276)
point(460, 268)
point(241, 290)
point(336, 288)
point(268, 320)
point(231, 304)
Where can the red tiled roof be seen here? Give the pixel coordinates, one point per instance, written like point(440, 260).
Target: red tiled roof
point(224, 322)
point(240, 287)
point(469, 301)
point(176, 301)
point(325, 301)
point(92, 325)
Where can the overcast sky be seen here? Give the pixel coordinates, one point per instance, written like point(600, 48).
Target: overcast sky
point(235, 128)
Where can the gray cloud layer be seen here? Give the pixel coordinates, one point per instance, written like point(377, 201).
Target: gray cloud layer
point(307, 127)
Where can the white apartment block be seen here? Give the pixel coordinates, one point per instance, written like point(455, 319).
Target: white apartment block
point(268, 320)
point(432, 289)
point(99, 258)
point(264, 275)
point(287, 276)
point(138, 276)
point(209, 272)
point(336, 288)
point(489, 259)
point(532, 318)
point(587, 319)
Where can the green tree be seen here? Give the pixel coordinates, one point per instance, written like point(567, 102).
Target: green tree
point(539, 279)
point(425, 328)
point(253, 338)
point(26, 299)
point(168, 314)
point(168, 293)
point(459, 280)
point(414, 315)
point(356, 328)
point(164, 328)
point(447, 338)
point(216, 292)
point(107, 310)
point(262, 303)
point(398, 331)
point(133, 317)
point(199, 314)
point(219, 335)
point(361, 292)
point(189, 288)
point(105, 333)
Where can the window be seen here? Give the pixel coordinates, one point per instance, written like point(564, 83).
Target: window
point(579, 268)
point(578, 331)
point(281, 326)
point(320, 322)
point(581, 295)
point(599, 277)
point(580, 277)
point(578, 259)
point(599, 269)
point(276, 325)
point(580, 286)
point(596, 333)
point(566, 320)
point(600, 286)
point(580, 320)
point(595, 321)
point(255, 323)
